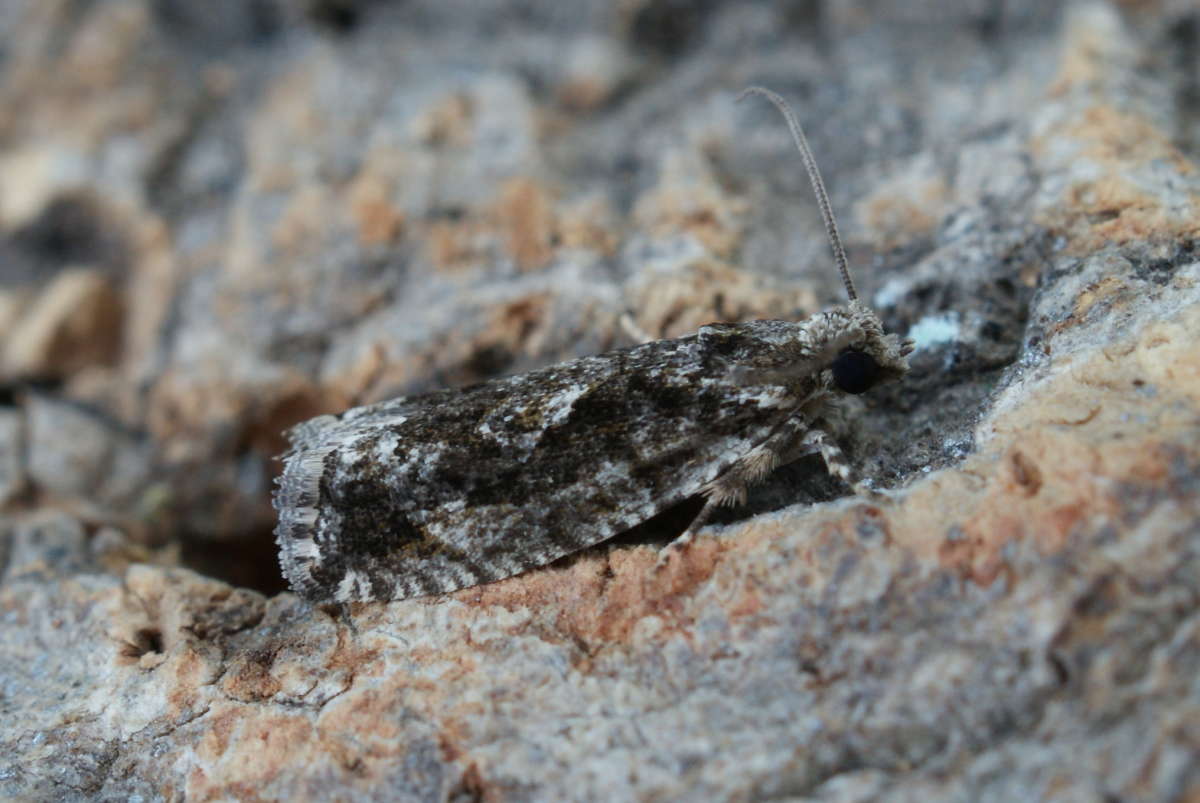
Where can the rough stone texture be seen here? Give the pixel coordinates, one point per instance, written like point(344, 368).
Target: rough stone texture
point(287, 207)
point(74, 323)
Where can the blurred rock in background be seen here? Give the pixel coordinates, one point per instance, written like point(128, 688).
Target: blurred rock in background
point(218, 219)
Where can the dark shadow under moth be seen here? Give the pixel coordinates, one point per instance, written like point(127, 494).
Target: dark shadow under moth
point(447, 490)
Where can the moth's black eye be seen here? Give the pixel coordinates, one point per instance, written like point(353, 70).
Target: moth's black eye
point(854, 371)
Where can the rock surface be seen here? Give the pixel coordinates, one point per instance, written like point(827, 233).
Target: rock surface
point(216, 223)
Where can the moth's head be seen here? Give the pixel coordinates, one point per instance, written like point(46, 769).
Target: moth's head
point(844, 349)
point(862, 355)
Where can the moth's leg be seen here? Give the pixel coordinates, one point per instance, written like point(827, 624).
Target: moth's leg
point(793, 439)
point(781, 446)
point(836, 463)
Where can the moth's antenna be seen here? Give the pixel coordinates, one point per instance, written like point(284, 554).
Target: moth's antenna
point(814, 175)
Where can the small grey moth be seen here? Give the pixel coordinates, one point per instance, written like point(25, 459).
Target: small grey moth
point(432, 493)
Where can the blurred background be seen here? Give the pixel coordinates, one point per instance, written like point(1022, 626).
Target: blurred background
point(220, 218)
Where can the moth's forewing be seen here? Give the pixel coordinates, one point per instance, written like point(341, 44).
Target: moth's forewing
point(435, 493)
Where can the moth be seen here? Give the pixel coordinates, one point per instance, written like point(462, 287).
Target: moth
point(433, 493)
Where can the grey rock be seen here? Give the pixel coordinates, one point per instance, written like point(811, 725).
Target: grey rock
point(308, 205)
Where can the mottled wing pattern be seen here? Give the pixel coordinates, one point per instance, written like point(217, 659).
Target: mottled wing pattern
point(439, 492)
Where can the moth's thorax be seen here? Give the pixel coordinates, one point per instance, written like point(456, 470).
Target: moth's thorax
point(787, 352)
